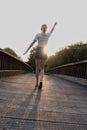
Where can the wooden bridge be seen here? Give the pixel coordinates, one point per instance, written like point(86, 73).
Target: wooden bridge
point(60, 105)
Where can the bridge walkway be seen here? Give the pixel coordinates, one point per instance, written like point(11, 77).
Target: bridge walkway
point(60, 105)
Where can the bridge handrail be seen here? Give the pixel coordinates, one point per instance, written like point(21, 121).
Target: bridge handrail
point(77, 69)
point(9, 62)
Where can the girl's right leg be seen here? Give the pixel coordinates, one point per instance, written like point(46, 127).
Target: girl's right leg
point(37, 62)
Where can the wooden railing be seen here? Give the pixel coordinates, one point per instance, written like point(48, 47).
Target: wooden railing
point(78, 69)
point(9, 65)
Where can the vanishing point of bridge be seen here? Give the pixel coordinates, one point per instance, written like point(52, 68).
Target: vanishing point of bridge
point(60, 105)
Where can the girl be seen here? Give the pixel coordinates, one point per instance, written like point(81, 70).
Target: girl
point(41, 54)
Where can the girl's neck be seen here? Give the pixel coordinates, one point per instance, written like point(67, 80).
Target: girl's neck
point(43, 33)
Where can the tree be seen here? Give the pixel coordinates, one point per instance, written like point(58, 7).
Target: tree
point(72, 53)
point(10, 51)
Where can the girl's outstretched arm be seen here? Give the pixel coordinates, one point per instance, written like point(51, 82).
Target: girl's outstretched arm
point(29, 47)
point(53, 27)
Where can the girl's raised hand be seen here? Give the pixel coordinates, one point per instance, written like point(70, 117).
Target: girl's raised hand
point(55, 23)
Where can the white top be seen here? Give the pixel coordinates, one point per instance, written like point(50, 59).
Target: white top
point(42, 39)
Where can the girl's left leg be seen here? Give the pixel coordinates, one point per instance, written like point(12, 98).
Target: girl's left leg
point(37, 62)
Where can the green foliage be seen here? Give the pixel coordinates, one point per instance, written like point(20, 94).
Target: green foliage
point(10, 51)
point(72, 53)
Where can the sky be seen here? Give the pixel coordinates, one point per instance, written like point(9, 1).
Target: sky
point(21, 20)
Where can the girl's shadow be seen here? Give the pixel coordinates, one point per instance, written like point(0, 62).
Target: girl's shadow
point(15, 119)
